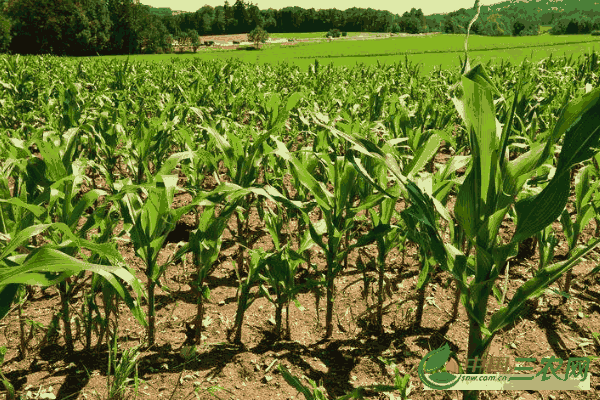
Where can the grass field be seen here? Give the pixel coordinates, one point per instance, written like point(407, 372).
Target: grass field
point(436, 51)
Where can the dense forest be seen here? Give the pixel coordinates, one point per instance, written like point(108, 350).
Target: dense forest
point(89, 27)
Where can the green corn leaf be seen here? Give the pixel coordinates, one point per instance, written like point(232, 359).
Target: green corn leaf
point(369, 203)
point(484, 132)
point(535, 286)
point(306, 242)
point(35, 210)
point(345, 184)
point(358, 165)
point(452, 165)
point(55, 169)
point(536, 212)
point(565, 220)
point(519, 170)
point(295, 382)
point(317, 189)
point(583, 189)
point(584, 216)
point(293, 101)
point(169, 165)
point(580, 124)
point(423, 155)
point(40, 267)
point(22, 237)
point(377, 233)
point(83, 204)
point(480, 76)
point(466, 208)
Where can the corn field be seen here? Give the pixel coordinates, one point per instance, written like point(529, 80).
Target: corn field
point(117, 174)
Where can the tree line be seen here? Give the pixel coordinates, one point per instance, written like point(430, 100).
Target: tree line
point(89, 27)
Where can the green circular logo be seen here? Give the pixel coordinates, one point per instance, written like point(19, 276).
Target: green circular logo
point(433, 363)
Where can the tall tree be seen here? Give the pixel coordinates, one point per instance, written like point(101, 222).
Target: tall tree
point(270, 19)
point(153, 35)
point(126, 17)
point(255, 16)
point(241, 17)
point(5, 36)
point(64, 27)
point(220, 22)
point(207, 16)
point(230, 21)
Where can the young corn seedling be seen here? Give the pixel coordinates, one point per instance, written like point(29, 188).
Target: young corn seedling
point(280, 271)
point(584, 190)
point(317, 392)
point(244, 160)
point(413, 168)
point(255, 267)
point(205, 245)
point(122, 371)
point(547, 242)
point(337, 211)
point(150, 222)
point(10, 390)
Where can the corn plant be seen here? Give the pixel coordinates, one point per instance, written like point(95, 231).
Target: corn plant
point(47, 266)
point(122, 370)
point(52, 182)
point(10, 390)
point(280, 268)
point(150, 141)
point(150, 222)
point(437, 185)
point(495, 183)
point(255, 267)
point(338, 214)
point(244, 160)
point(584, 190)
point(596, 196)
point(402, 383)
point(105, 218)
point(255, 263)
point(205, 245)
point(547, 242)
point(317, 392)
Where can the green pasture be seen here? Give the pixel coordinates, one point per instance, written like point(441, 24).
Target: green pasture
point(436, 51)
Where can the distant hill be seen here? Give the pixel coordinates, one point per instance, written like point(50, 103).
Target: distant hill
point(523, 17)
point(540, 6)
point(566, 6)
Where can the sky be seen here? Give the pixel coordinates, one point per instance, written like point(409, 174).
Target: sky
point(394, 6)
